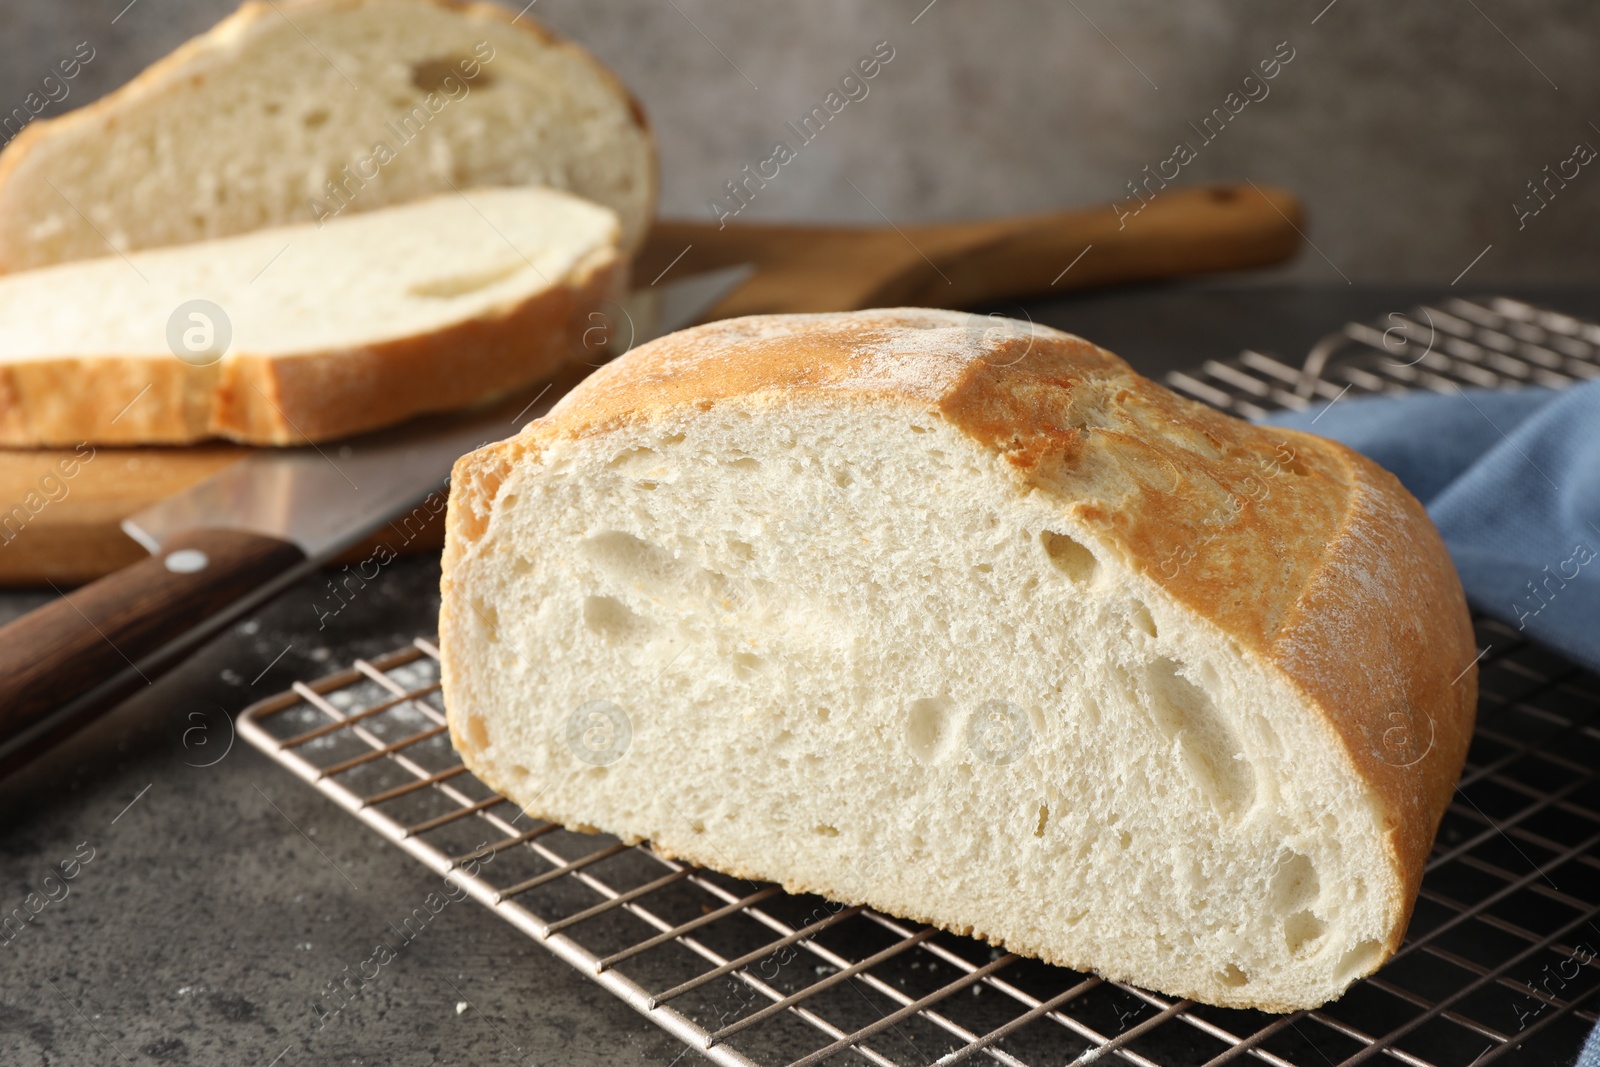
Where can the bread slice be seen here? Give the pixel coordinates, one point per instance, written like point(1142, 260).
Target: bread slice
point(974, 625)
point(294, 112)
point(363, 322)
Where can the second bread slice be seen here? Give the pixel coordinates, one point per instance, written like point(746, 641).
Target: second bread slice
point(302, 334)
point(307, 110)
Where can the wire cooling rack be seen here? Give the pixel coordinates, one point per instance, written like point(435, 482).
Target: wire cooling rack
point(1493, 343)
point(1498, 966)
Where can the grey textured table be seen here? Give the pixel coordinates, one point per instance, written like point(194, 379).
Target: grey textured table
point(223, 895)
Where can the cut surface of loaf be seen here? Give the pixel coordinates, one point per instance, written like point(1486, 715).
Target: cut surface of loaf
point(976, 626)
point(294, 112)
point(322, 332)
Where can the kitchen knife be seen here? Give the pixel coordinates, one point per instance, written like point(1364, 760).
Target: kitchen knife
point(232, 541)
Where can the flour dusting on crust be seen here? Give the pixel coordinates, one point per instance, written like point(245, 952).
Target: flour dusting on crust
point(921, 352)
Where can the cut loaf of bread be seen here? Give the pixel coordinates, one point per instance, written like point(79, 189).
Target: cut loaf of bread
point(974, 625)
point(305, 333)
point(292, 112)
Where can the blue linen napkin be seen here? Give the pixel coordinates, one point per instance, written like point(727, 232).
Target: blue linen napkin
point(1590, 1056)
point(1512, 480)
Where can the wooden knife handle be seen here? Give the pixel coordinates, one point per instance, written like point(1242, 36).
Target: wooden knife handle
point(73, 644)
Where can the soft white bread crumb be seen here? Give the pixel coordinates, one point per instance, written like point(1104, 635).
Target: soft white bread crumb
point(245, 126)
point(869, 605)
point(364, 321)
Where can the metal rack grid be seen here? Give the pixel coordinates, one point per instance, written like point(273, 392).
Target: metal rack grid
point(1498, 965)
point(1490, 343)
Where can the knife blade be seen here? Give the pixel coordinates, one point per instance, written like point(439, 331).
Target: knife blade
point(324, 499)
point(653, 310)
point(232, 541)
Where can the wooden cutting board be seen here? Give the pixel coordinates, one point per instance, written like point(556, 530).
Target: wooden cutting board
point(62, 507)
point(964, 264)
